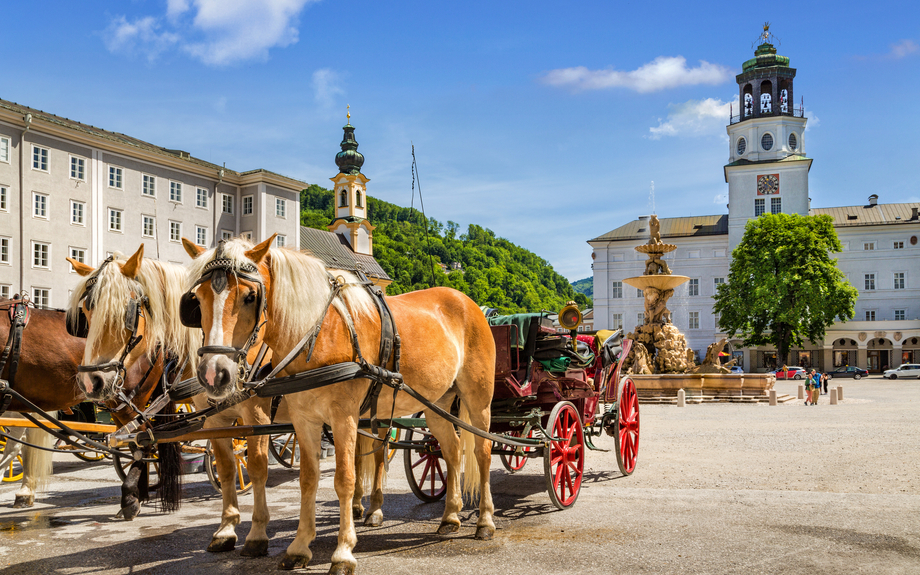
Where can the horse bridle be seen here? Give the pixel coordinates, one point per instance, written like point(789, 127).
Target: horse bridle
point(217, 270)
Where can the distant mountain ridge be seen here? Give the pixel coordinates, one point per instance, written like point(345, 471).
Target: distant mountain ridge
point(585, 286)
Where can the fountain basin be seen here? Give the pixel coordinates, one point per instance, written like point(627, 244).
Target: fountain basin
point(660, 281)
point(656, 248)
point(697, 385)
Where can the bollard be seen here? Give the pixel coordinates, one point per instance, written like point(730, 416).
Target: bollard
point(839, 393)
point(833, 396)
point(772, 397)
point(681, 398)
point(801, 391)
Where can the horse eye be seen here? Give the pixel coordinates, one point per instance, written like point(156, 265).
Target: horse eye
point(250, 298)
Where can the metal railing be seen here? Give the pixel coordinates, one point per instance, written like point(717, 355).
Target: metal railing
point(794, 112)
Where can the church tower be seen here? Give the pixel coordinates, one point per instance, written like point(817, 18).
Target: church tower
point(350, 187)
point(767, 170)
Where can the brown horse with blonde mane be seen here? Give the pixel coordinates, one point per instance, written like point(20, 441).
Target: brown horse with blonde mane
point(447, 353)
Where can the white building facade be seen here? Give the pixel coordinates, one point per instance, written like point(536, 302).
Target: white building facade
point(69, 189)
point(768, 173)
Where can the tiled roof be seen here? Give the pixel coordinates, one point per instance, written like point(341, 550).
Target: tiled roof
point(335, 252)
point(880, 214)
point(670, 228)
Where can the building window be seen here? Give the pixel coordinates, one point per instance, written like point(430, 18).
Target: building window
point(39, 158)
point(114, 220)
point(766, 141)
point(247, 205)
point(343, 199)
point(870, 315)
point(898, 280)
point(4, 206)
point(639, 293)
point(716, 282)
point(149, 186)
point(41, 253)
point(77, 168)
point(78, 254)
point(280, 241)
point(759, 207)
point(148, 226)
point(718, 253)
point(898, 246)
point(175, 231)
point(640, 318)
point(776, 205)
point(693, 254)
point(870, 281)
point(175, 192)
point(869, 246)
point(358, 199)
point(201, 198)
point(201, 236)
point(227, 203)
point(246, 236)
point(717, 317)
point(693, 287)
point(226, 234)
point(900, 314)
point(115, 177)
point(4, 250)
point(694, 321)
point(280, 207)
point(617, 291)
point(617, 321)
point(41, 297)
point(5, 291)
point(5, 150)
point(39, 205)
point(77, 209)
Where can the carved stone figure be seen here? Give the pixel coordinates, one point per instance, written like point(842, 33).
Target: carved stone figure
point(656, 300)
point(654, 228)
point(712, 363)
point(655, 265)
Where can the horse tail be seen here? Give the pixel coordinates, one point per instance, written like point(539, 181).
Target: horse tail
point(364, 463)
point(36, 463)
point(170, 490)
point(469, 464)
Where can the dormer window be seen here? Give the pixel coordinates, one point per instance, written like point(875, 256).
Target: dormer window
point(358, 199)
point(343, 199)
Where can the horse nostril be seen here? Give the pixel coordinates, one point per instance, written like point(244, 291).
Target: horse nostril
point(96, 383)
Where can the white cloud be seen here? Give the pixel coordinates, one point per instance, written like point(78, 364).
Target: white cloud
point(813, 121)
point(216, 32)
point(695, 118)
point(720, 199)
point(660, 74)
point(326, 86)
point(142, 35)
point(904, 48)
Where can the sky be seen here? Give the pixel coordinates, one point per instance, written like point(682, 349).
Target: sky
point(546, 122)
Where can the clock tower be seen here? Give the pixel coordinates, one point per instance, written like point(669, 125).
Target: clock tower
point(767, 170)
point(350, 187)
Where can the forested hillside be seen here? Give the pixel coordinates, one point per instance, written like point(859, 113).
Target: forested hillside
point(585, 286)
point(491, 270)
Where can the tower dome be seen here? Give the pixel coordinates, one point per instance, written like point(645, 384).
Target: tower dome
point(349, 160)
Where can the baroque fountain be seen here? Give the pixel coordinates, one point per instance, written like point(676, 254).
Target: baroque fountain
point(660, 363)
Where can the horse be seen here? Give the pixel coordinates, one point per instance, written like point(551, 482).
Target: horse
point(47, 377)
point(159, 285)
point(256, 292)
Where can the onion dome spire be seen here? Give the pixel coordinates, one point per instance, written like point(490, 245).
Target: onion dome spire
point(349, 160)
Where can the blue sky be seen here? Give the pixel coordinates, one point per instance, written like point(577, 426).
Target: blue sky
point(544, 121)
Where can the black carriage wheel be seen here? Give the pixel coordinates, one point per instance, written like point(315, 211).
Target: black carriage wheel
point(564, 458)
point(123, 463)
point(243, 481)
point(627, 428)
point(425, 471)
point(285, 449)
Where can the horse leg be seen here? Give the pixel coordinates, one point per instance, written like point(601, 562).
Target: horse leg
point(130, 493)
point(345, 430)
point(446, 435)
point(375, 512)
point(224, 539)
point(298, 554)
point(36, 466)
point(257, 449)
point(357, 506)
point(482, 450)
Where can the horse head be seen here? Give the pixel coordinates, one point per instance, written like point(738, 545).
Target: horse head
point(227, 300)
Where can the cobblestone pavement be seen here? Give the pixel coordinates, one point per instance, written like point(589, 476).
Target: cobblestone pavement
point(722, 488)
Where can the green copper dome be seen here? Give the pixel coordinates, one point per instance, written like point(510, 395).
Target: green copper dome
point(765, 57)
point(349, 160)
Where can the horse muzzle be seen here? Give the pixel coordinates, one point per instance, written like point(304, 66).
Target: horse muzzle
point(218, 375)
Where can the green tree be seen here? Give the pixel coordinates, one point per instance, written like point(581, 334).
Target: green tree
point(783, 285)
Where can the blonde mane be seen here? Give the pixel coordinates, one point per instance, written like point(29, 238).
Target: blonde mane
point(300, 287)
point(162, 283)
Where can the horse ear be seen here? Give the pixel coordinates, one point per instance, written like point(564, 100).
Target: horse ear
point(130, 268)
point(192, 249)
point(259, 252)
point(81, 268)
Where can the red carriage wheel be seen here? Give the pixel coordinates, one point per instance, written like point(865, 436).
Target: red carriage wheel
point(425, 470)
point(627, 432)
point(564, 457)
point(515, 461)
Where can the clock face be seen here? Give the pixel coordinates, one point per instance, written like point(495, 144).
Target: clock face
point(768, 184)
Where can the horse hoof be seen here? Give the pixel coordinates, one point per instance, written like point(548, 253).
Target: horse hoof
point(342, 569)
point(357, 512)
point(485, 533)
point(131, 510)
point(222, 544)
point(448, 528)
point(293, 562)
point(255, 548)
point(24, 501)
point(374, 520)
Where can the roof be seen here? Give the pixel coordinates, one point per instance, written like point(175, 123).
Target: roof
point(869, 215)
point(335, 252)
point(126, 140)
point(670, 228)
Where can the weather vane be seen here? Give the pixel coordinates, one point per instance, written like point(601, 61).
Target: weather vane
point(767, 37)
point(348, 113)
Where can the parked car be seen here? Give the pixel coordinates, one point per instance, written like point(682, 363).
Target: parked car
point(790, 373)
point(848, 371)
point(737, 369)
point(905, 370)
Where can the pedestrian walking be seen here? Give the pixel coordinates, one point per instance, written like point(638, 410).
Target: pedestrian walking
point(824, 379)
point(815, 379)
